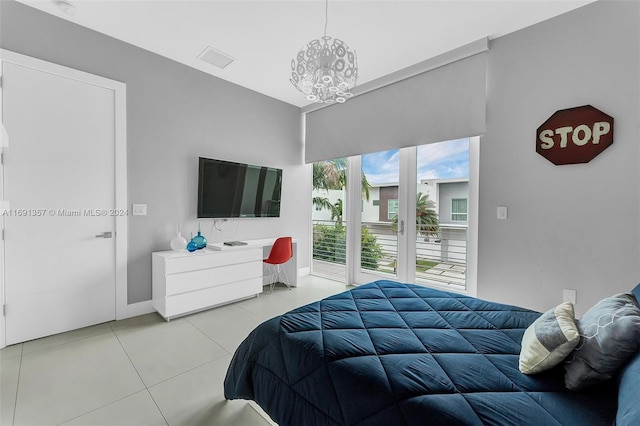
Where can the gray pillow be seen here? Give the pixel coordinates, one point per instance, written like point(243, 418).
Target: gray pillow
point(609, 336)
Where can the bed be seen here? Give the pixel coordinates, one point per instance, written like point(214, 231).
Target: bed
point(387, 353)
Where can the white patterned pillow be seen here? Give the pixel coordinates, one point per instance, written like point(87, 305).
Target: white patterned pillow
point(549, 339)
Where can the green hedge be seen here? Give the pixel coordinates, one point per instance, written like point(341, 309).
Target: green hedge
point(329, 243)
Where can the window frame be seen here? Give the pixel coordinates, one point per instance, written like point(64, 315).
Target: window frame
point(393, 215)
point(455, 214)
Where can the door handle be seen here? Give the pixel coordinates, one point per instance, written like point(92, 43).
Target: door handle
point(105, 235)
point(401, 227)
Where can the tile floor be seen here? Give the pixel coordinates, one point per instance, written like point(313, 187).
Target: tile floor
point(142, 370)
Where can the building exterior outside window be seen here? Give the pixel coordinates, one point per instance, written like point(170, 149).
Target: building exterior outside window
point(392, 211)
point(459, 209)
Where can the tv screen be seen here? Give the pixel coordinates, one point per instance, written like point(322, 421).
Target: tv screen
point(227, 189)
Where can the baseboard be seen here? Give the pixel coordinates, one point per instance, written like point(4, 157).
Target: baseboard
point(135, 309)
point(304, 271)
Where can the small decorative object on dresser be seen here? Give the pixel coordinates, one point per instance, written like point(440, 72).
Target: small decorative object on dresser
point(199, 240)
point(192, 246)
point(178, 242)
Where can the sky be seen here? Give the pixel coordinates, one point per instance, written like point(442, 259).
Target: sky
point(442, 160)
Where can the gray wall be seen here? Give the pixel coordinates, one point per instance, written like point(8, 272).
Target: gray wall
point(572, 226)
point(174, 115)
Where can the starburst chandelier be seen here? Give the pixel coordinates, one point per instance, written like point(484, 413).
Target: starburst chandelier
point(325, 70)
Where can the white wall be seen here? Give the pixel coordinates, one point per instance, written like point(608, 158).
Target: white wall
point(572, 226)
point(174, 115)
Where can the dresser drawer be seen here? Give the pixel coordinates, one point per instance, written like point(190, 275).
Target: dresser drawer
point(203, 260)
point(212, 277)
point(181, 304)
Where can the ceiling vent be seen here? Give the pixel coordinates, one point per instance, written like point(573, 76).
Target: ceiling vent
point(215, 57)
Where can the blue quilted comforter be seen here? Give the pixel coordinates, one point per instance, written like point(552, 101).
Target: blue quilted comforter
point(394, 354)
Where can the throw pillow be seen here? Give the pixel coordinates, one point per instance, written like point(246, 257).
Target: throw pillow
point(548, 341)
point(609, 336)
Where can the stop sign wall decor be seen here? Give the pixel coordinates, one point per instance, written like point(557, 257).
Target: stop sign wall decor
point(574, 135)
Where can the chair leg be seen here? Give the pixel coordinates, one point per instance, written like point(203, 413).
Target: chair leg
point(275, 278)
point(286, 278)
point(278, 277)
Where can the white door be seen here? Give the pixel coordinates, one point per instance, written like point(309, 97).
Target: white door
point(58, 176)
point(422, 227)
point(385, 230)
point(379, 233)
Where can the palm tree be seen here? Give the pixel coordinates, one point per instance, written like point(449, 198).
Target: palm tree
point(326, 176)
point(427, 223)
point(329, 174)
point(336, 211)
point(332, 174)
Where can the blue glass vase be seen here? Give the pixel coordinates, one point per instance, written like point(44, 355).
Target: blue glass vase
point(192, 246)
point(199, 240)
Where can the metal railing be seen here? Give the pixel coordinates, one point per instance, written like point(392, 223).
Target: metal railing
point(329, 249)
point(380, 253)
point(441, 254)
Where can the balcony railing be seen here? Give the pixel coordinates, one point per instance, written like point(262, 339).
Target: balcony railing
point(329, 249)
point(441, 254)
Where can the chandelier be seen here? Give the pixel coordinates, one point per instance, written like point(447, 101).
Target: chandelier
point(325, 70)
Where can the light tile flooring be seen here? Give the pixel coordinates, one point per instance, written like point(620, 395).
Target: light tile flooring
point(143, 370)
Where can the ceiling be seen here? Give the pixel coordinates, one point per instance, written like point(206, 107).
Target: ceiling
point(263, 35)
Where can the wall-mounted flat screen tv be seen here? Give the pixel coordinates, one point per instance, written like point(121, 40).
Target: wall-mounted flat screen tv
point(227, 190)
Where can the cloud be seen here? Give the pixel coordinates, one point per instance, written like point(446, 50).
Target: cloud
point(435, 153)
point(440, 160)
point(382, 167)
point(444, 160)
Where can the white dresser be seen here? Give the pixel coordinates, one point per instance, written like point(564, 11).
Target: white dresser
point(185, 282)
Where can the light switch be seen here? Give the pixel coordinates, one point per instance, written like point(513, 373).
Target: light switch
point(139, 209)
point(502, 212)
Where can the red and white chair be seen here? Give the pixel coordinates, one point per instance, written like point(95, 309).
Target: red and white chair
point(280, 253)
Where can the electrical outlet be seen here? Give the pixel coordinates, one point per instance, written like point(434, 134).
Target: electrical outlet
point(569, 295)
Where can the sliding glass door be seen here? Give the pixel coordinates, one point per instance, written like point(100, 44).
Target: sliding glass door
point(401, 214)
point(328, 216)
point(381, 249)
point(442, 213)
point(379, 214)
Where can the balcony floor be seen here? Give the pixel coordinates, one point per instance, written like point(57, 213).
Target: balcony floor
point(448, 274)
